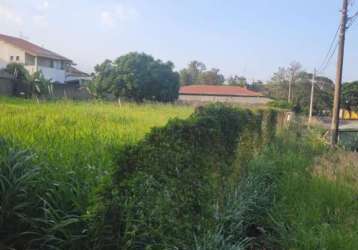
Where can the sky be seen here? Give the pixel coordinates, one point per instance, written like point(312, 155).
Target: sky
point(250, 38)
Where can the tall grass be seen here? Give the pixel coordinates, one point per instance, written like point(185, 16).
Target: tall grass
point(54, 156)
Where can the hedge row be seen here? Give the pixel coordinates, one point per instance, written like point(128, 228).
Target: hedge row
point(168, 188)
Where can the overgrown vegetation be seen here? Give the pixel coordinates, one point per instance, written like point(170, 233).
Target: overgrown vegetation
point(222, 178)
point(166, 188)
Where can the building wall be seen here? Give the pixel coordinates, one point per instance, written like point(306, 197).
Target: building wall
point(6, 51)
point(6, 87)
point(227, 99)
point(57, 75)
point(70, 91)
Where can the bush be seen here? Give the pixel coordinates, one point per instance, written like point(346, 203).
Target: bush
point(280, 104)
point(167, 187)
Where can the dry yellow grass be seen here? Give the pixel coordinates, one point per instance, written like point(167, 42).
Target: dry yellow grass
point(338, 165)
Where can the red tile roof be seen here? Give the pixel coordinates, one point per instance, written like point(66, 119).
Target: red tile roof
point(31, 48)
point(218, 91)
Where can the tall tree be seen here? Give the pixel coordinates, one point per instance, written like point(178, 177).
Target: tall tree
point(237, 81)
point(138, 76)
point(191, 74)
point(293, 72)
point(211, 77)
point(278, 88)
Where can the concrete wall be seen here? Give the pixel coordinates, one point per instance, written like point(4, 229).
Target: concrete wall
point(194, 99)
point(70, 91)
point(6, 87)
point(7, 50)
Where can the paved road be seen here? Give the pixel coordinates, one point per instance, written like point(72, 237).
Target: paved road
point(343, 125)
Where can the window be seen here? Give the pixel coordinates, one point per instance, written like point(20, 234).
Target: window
point(29, 59)
point(45, 62)
point(17, 58)
point(11, 58)
point(57, 64)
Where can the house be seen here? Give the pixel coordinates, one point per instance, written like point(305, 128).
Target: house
point(34, 57)
point(196, 94)
point(76, 76)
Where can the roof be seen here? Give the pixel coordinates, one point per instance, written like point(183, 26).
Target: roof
point(218, 91)
point(72, 71)
point(31, 48)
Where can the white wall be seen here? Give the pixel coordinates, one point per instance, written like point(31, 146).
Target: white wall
point(56, 75)
point(7, 50)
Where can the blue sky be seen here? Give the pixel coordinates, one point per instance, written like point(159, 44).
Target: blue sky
point(251, 38)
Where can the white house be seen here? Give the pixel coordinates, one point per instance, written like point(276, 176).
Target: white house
point(34, 57)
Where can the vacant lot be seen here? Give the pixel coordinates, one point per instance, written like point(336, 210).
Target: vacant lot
point(82, 134)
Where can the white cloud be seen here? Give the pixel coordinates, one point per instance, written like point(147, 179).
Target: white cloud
point(119, 14)
point(9, 15)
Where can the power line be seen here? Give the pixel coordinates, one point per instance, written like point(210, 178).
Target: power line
point(325, 66)
point(329, 54)
point(352, 19)
point(334, 44)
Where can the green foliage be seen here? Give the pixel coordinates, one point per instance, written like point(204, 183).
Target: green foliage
point(47, 199)
point(196, 74)
point(33, 212)
point(350, 96)
point(301, 81)
point(136, 76)
point(18, 72)
point(311, 212)
point(167, 186)
point(191, 74)
point(238, 81)
point(281, 104)
point(40, 86)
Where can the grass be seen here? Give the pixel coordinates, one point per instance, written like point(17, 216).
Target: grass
point(54, 156)
point(80, 135)
point(297, 194)
point(74, 146)
point(314, 209)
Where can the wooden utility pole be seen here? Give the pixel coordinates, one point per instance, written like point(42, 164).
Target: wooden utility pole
point(337, 90)
point(312, 96)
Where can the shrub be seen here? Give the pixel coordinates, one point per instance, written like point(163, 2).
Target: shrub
point(167, 186)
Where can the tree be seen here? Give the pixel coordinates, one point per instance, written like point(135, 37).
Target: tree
point(237, 81)
point(211, 77)
point(257, 86)
point(18, 72)
point(191, 74)
point(103, 79)
point(39, 85)
point(278, 88)
point(350, 96)
point(137, 76)
point(293, 71)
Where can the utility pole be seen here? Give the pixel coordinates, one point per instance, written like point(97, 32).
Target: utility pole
point(312, 96)
point(337, 90)
point(289, 99)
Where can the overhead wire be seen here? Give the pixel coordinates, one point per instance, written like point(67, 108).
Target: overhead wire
point(334, 44)
point(330, 52)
